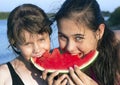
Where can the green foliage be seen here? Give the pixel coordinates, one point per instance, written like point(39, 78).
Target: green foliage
point(106, 13)
point(114, 19)
point(4, 15)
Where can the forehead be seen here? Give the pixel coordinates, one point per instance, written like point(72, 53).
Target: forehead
point(26, 36)
point(71, 26)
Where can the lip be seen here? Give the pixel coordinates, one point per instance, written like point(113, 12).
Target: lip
point(80, 55)
point(38, 55)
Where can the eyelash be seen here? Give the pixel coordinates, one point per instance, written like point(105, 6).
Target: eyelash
point(28, 44)
point(78, 39)
point(62, 37)
point(42, 39)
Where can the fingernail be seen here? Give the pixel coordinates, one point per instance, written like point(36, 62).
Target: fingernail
point(70, 68)
point(75, 66)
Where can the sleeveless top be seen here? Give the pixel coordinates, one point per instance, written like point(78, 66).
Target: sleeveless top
point(15, 78)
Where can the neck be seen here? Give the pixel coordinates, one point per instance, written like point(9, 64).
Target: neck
point(22, 62)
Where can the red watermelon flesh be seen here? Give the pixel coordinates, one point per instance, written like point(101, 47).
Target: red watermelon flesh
point(61, 62)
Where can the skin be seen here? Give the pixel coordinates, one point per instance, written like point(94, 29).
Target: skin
point(74, 39)
point(35, 45)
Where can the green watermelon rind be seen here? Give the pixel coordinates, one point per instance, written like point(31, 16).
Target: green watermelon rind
point(91, 61)
point(66, 71)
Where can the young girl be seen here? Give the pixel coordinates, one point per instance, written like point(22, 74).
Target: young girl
point(81, 28)
point(29, 35)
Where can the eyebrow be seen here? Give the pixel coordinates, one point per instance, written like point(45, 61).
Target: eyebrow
point(79, 35)
point(73, 35)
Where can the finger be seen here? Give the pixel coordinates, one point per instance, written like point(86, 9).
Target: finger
point(44, 75)
point(51, 77)
point(64, 82)
point(84, 78)
point(80, 74)
point(70, 82)
point(75, 78)
point(61, 79)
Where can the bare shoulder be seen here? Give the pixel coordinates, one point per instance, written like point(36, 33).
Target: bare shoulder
point(3, 67)
point(4, 73)
point(117, 34)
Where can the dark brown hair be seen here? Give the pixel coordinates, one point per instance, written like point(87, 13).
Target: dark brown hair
point(88, 12)
point(27, 17)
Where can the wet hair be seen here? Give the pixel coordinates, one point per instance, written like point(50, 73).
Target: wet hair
point(88, 12)
point(26, 17)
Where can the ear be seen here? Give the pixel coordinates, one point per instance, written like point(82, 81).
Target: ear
point(100, 31)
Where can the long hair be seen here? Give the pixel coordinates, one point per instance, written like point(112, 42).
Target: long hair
point(88, 12)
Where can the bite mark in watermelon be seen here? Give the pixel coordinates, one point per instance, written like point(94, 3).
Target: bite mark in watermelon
point(61, 62)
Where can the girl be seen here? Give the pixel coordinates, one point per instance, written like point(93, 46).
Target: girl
point(81, 28)
point(29, 35)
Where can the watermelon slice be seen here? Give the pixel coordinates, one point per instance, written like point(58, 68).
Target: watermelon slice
point(61, 62)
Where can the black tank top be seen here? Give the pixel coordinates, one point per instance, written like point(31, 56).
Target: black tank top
point(15, 78)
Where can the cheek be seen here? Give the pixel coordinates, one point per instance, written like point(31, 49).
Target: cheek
point(89, 45)
point(45, 45)
point(93, 42)
point(26, 53)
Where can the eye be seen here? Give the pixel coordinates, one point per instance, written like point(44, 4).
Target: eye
point(62, 37)
point(79, 38)
point(42, 39)
point(27, 44)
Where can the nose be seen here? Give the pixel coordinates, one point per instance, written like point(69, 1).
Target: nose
point(36, 48)
point(70, 47)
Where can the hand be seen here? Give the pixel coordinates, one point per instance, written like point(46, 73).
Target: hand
point(80, 78)
point(61, 80)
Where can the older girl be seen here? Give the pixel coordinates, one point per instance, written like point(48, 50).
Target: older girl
point(81, 28)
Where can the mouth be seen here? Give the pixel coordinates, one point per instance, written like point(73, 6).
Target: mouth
point(80, 55)
point(39, 54)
